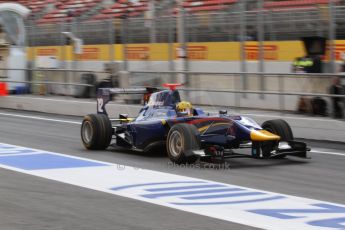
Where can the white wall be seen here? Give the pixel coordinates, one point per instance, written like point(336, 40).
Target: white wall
point(207, 81)
point(16, 60)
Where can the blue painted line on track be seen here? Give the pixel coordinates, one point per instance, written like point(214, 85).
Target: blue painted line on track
point(17, 151)
point(185, 187)
point(336, 223)
point(224, 195)
point(2, 147)
point(283, 213)
point(45, 161)
point(158, 195)
point(156, 183)
point(8, 149)
point(230, 202)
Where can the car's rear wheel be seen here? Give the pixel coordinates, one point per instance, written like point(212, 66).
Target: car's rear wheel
point(280, 128)
point(96, 131)
point(182, 140)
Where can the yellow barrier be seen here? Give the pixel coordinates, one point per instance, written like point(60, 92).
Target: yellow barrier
point(200, 51)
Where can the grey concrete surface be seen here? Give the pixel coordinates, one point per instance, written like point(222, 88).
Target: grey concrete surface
point(317, 128)
point(31, 203)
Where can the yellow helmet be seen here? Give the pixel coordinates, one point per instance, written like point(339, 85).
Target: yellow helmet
point(184, 108)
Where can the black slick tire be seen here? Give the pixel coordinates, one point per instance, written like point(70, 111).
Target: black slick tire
point(181, 141)
point(96, 131)
point(280, 128)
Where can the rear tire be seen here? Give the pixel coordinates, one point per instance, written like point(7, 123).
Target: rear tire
point(182, 140)
point(96, 131)
point(280, 128)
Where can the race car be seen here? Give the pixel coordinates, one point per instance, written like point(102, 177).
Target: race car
point(186, 133)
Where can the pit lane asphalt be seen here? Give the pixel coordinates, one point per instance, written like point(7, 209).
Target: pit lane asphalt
point(28, 202)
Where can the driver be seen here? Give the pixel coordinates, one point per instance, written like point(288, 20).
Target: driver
point(184, 108)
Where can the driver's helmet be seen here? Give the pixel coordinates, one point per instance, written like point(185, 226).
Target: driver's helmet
point(184, 108)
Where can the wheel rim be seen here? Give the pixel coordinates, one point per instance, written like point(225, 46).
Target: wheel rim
point(87, 131)
point(175, 144)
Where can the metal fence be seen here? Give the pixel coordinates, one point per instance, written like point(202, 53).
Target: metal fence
point(237, 23)
point(222, 26)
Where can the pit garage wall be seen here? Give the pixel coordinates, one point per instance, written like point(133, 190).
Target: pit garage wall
point(204, 57)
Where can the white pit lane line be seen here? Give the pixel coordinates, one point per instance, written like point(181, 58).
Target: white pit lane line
point(40, 118)
point(228, 202)
point(290, 117)
point(319, 151)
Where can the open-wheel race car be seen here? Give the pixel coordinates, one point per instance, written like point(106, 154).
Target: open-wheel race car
point(186, 133)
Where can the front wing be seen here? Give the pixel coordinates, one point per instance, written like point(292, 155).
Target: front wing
point(288, 148)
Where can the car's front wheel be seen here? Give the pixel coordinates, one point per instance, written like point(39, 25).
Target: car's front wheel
point(96, 131)
point(182, 140)
point(280, 128)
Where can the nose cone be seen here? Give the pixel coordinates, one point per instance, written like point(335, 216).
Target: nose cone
point(263, 135)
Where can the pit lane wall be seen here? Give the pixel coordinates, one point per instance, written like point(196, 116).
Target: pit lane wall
point(203, 57)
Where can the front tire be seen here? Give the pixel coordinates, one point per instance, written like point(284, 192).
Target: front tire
point(96, 131)
point(280, 128)
point(182, 140)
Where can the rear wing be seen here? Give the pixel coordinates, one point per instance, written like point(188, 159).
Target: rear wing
point(104, 95)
